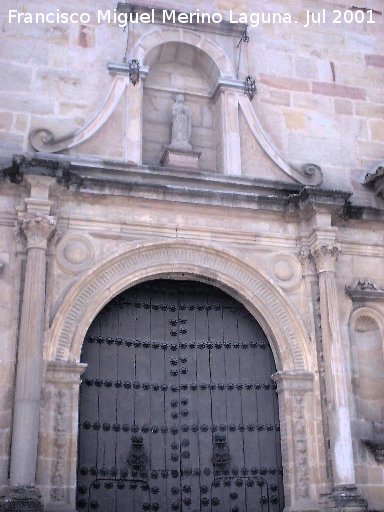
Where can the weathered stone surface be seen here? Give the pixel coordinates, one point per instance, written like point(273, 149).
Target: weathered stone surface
point(286, 83)
point(377, 130)
point(180, 159)
point(20, 499)
point(295, 120)
point(320, 99)
point(6, 120)
point(344, 91)
point(375, 60)
point(347, 499)
point(15, 78)
point(29, 104)
point(344, 107)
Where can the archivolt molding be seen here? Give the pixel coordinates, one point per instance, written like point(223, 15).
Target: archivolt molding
point(173, 35)
point(128, 267)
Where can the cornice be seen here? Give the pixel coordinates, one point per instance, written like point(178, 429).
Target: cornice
point(223, 28)
point(365, 290)
point(116, 178)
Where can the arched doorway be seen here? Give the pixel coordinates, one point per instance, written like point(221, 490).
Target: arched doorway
point(177, 407)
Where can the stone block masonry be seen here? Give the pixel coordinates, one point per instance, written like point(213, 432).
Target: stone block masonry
point(255, 231)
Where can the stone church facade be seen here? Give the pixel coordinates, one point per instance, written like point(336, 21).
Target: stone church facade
point(112, 190)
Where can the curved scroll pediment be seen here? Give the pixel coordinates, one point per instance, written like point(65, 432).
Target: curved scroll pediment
point(229, 108)
point(42, 139)
point(308, 174)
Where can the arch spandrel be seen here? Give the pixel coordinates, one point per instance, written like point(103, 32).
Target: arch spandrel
point(130, 266)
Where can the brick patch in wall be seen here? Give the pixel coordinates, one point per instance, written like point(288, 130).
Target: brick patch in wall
point(375, 60)
point(342, 91)
point(281, 82)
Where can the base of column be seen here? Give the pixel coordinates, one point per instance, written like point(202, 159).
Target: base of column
point(346, 498)
point(21, 499)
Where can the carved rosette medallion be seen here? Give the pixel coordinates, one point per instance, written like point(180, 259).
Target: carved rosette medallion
point(325, 257)
point(38, 229)
point(286, 270)
point(75, 253)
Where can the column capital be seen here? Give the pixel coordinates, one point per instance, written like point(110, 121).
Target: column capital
point(325, 255)
point(38, 229)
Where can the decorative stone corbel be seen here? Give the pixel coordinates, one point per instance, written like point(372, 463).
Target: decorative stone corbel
point(14, 173)
point(363, 290)
point(30, 165)
point(375, 179)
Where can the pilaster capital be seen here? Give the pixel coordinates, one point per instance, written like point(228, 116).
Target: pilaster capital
point(325, 256)
point(38, 229)
point(294, 382)
point(231, 85)
point(64, 373)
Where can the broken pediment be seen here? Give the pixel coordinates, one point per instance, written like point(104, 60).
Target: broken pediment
point(134, 123)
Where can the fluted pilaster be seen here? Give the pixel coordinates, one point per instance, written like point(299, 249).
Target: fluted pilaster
point(325, 256)
point(37, 229)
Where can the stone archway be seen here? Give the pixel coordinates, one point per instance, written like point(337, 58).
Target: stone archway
point(132, 265)
point(128, 267)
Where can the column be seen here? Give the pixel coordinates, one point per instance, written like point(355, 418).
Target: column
point(38, 228)
point(344, 496)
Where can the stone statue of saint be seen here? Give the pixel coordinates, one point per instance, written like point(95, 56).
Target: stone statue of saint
point(181, 124)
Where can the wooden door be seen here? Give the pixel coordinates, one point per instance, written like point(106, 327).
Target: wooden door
point(178, 411)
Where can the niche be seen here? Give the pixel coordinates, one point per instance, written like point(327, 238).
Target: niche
point(179, 68)
point(368, 368)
